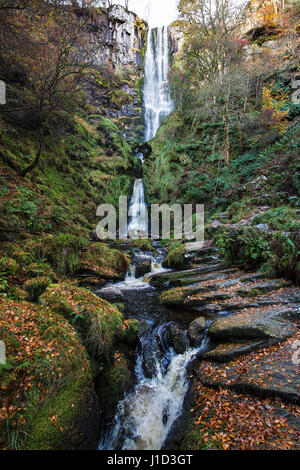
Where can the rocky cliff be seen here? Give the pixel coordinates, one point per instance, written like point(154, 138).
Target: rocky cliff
point(120, 40)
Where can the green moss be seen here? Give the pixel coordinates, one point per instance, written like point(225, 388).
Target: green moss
point(142, 244)
point(36, 287)
point(129, 332)
point(43, 354)
point(194, 441)
point(8, 266)
point(279, 218)
point(175, 256)
point(96, 320)
point(62, 251)
point(64, 421)
point(113, 382)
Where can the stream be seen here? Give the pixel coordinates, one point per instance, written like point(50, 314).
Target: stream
point(146, 414)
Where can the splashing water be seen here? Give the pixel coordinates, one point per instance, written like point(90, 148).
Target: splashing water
point(145, 416)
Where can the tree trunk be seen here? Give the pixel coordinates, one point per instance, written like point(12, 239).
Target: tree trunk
point(35, 162)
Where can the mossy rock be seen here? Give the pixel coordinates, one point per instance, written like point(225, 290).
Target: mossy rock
point(61, 251)
point(194, 441)
point(70, 421)
point(8, 266)
point(98, 260)
point(97, 321)
point(39, 269)
point(130, 331)
point(46, 368)
point(36, 287)
point(142, 244)
point(16, 293)
point(114, 381)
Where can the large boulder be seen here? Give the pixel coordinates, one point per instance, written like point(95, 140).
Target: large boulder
point(143, 267)
point(177, 339)
point(48, 393)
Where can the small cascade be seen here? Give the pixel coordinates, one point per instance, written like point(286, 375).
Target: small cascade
point(157, 99)
point(138, 225)
point(146, 415)
point(130, 275)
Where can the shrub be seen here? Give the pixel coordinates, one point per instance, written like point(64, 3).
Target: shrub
point(280, 218)
point(245, 247)
point(285, 256)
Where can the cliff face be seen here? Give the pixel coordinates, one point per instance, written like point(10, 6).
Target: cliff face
point(120, 38)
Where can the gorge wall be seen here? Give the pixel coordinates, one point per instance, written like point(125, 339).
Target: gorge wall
point(120, 38)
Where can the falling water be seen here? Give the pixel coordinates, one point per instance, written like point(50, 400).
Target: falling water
point(157, 100)
point(145, 416)
point(138, 212)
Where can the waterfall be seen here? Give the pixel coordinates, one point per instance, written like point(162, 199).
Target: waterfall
point(138, 212)
point(145, 416)
point(157, 100)
point(157, 104)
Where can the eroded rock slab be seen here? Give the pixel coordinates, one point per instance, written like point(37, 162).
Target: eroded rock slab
point(267, 322)
point(270, 372)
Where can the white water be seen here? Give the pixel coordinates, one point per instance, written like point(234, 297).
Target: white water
point(139, 422)
point(145, 416)
point(138, 226)
point(157, 100)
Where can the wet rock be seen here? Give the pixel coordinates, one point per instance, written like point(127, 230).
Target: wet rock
point(228, 351)
point(111, 294)
point(143, 267)
point(262, 227)
point(260, 288)
point(272, 374)
point(196, 331)
point(177, 339)
point(266, 322)
point(176, 277)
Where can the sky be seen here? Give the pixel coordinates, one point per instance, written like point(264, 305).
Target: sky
point(155, 12)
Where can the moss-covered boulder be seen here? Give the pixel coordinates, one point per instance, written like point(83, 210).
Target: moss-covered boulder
point(8, 265)
point(112, 383)
point(129, 331)
point(96, 320)
point(36, 287)
point(70, 421)
point(100, 261)
point(46, 397)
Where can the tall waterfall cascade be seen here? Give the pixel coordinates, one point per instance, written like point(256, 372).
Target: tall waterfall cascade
point(157, 99)
point(157, 105)
point(147, 412)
